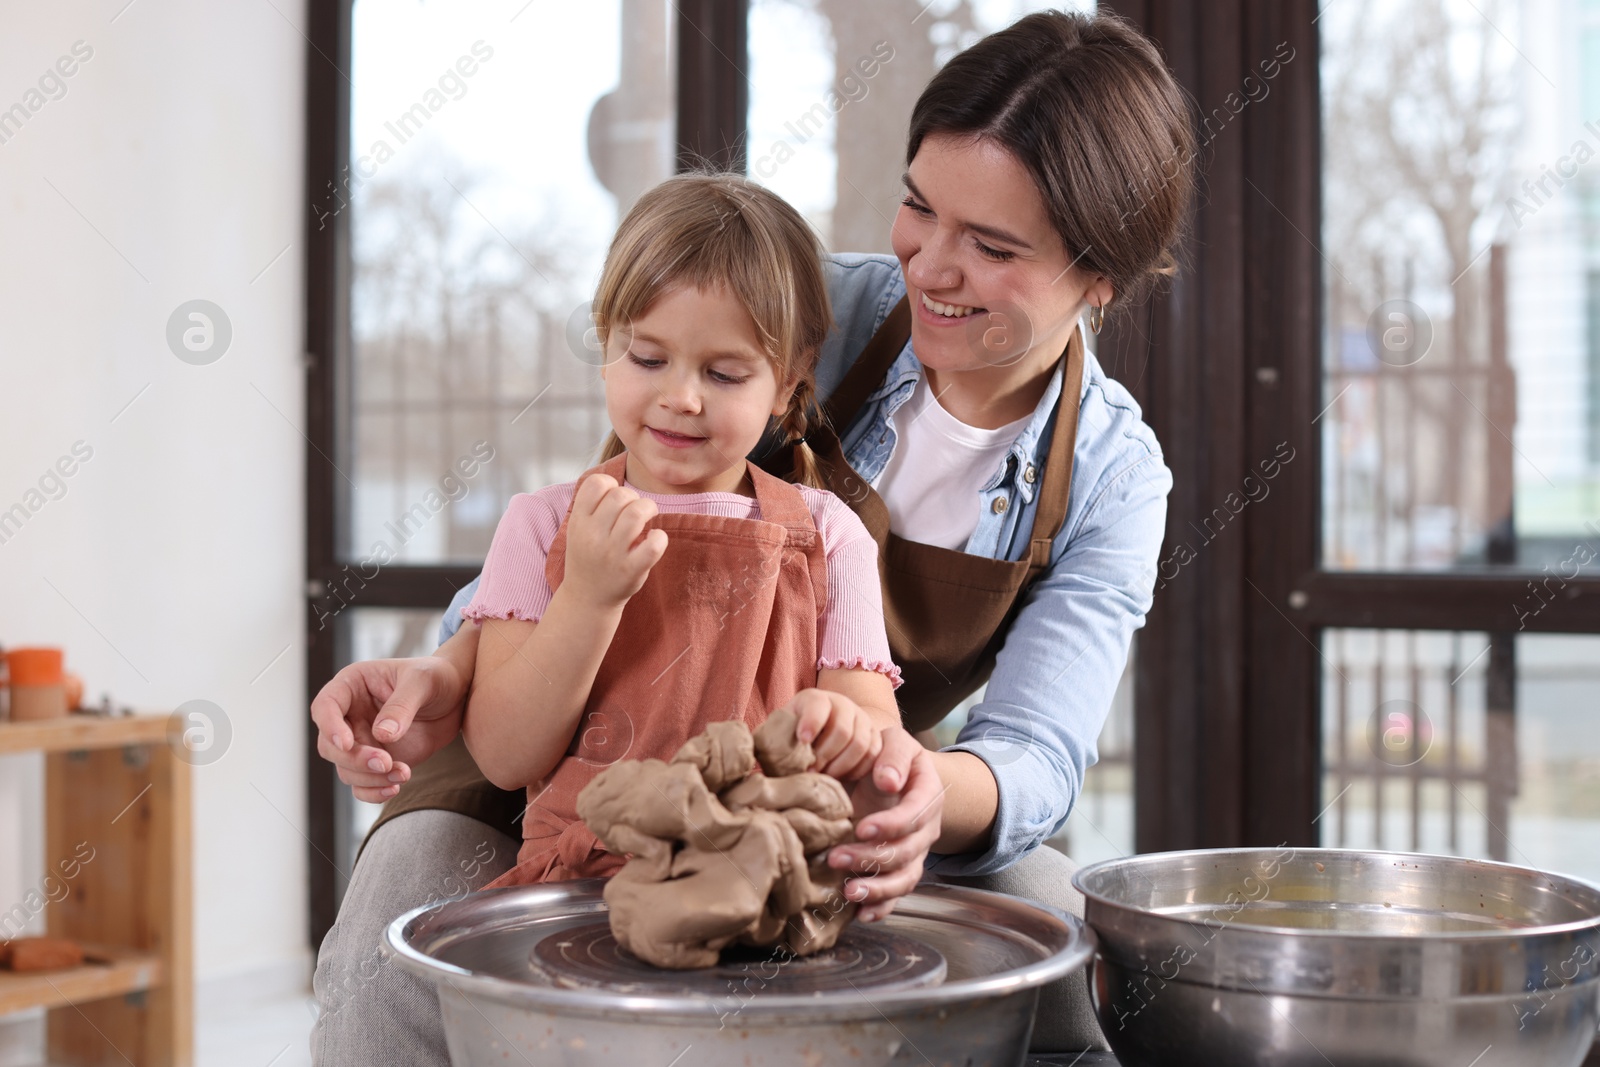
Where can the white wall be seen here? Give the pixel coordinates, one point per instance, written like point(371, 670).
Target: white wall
point(172, 567)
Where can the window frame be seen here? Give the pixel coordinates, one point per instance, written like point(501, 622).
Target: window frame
point(713, 99)
point(1228, 360)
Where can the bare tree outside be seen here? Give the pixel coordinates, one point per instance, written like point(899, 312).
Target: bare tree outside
point(861, 137)
point(867, 191)
point(464, 292)
point(1457, 388)
point(1420, 122)
point(457, 327)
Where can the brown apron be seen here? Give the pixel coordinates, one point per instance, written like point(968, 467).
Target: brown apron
point(947, 611)
point(725, 627)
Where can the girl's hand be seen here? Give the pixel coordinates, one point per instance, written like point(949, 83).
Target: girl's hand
point(843, 737)
point(609, 555)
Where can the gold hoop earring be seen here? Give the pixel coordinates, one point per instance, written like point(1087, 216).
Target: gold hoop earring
point(1097, 318)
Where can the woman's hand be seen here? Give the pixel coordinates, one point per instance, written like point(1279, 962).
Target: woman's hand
point(609, 554)
point(895, 786)
point(899, 808)
point(377, 718)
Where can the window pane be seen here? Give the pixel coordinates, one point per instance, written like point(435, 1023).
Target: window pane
point(1462, 243)
point(492, 159)
point(1462, 744)
point(832, 83)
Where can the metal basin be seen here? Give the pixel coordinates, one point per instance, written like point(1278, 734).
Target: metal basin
point(519, 982)
point(1286, 957)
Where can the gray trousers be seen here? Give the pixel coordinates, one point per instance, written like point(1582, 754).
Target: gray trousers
point(375, 1012)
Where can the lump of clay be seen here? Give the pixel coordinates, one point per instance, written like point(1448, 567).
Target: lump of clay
point(724, 754)
point(776, 747)
point(723, 851)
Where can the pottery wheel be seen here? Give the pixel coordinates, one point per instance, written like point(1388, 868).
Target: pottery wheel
point(588, 957)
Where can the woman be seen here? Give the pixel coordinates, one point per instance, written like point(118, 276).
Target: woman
point(1048, 174)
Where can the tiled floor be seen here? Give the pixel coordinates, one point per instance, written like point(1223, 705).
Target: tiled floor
point(272, 1033)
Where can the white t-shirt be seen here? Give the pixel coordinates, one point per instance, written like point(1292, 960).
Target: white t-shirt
point(932, 482)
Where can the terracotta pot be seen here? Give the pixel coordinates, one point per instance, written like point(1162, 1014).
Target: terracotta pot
point(33, 702)
point(74, 687)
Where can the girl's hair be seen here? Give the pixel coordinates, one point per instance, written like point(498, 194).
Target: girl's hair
point(1087, 105)
point(706, 230)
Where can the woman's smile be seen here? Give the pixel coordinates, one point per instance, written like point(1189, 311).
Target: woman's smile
point(943, 314)
point(994, 293)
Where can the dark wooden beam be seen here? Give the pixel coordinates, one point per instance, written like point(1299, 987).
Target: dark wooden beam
point(713, 83)
point(1225, 363)
point(1281, 212)
point(327, 114)
point(350, 586)
point(1479, 600)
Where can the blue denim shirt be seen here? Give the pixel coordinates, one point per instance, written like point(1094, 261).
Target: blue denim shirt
point(1059, 666)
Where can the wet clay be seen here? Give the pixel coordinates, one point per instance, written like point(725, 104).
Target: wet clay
point(727, 841)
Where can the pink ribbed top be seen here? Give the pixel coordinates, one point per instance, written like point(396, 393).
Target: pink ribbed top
point(850, 631)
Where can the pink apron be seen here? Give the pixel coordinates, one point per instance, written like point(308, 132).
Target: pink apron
point(725, 627)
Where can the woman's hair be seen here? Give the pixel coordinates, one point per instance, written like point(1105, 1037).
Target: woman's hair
point(706, 230)
point(1087, 105)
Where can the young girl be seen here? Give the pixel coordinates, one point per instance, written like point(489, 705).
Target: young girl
point(677, 584)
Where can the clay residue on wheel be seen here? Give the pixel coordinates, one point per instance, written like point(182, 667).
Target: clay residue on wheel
point(728, 844)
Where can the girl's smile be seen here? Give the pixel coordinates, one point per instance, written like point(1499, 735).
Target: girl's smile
point(676, 440)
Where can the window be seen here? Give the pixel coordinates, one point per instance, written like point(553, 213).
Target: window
point(1594, 361)
point(1458, 427)
point(467, 163)
point(476, 243)
point(1465, 744)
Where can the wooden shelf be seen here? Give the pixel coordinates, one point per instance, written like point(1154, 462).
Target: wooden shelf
point(76, 732)
point(117, 834)
point(123, 971)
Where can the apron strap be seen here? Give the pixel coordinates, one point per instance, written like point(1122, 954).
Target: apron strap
point(616, 466)
point(870, 368)
point(1056, 490)
point(867, 375)
point(781, 503)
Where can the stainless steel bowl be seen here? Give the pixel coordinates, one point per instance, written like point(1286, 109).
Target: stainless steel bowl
point(502, 1007)
point(1334, 956)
